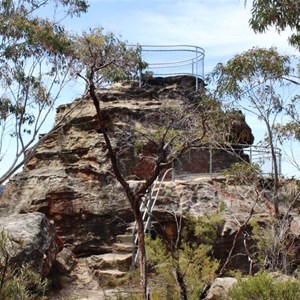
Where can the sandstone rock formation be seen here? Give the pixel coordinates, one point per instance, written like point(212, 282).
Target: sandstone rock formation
point(70, 179)
point(32, 240)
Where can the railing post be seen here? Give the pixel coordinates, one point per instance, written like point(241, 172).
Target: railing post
point(140, 70)
point(193, 62)
point(210, 161)
point(196, 68)
point(202, 71)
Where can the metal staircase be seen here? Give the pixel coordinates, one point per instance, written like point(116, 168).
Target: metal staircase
point(147, 205)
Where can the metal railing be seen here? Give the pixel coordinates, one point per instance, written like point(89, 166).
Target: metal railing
point(172, 60)
point(213, 160)
point(147, 206)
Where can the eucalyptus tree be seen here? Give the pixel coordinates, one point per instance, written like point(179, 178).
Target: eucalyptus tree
point(281, 14)
point(250, 81)
point(34, 66)
point(289, 132)
point(102, 58)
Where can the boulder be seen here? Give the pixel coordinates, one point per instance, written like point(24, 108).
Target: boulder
point(110, 261)
point(65, 261)
point(220, 287)
point(31, 240)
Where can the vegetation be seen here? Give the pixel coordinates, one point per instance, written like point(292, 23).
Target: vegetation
point(264, 286)
point(38, 57)
point(34, 70)
point(280, 14)
point(250, 81)
point(184, 264)
point(18, 282)
point(242, 173)
point(276, 245)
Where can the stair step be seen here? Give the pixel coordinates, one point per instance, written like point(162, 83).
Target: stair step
point(122, 248)
point(113, 272)
point(124, 238)
point(119, 261)
point(129, 228)
point(108, 275)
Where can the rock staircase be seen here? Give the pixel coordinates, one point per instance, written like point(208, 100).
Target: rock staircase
point(110, 267)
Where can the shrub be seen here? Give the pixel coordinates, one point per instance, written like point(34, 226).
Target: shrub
point(276, 244)
point(185, 266)
point(242, 173)
point(18, 282)
point(263, 286)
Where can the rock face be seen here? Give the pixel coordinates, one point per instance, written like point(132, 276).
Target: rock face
point(70, 180)
point(70, 177)
point(32, 241)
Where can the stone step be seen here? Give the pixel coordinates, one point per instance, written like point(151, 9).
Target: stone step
point(124, 238)
point(119, 261)
point(108, 275)
point(122, 248)
point(129, 228)
point(112, 272)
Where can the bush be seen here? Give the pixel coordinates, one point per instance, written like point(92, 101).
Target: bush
point(263, 286)
point(185, 266)
point(17, 282)
point(242, 173)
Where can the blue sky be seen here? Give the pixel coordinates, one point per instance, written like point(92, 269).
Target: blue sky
point(219, 26)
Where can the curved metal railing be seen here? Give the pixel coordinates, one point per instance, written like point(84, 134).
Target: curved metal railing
point(172, 60)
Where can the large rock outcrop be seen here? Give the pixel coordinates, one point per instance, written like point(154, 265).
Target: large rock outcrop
point(70, 177)
point(31, 240)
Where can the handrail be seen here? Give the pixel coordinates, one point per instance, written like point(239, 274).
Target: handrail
point(185, 59)
point(147, 212)
point(259, 154)
point(155, 199)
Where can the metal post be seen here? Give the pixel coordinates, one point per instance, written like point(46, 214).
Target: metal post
point(196, 68)
point(210, 161)
point(193, 66)
point(202, 59)
point(140, 70)
point(251, 154)
point(148, 223)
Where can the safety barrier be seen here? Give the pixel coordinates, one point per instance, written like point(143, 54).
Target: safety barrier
point(172, 60)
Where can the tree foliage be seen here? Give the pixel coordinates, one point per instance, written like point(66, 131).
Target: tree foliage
point(281, 14)
point(34, 61)
point(250, 81)
point(104, 57)
point(251, 71)
point(264, 287)
point(186, 265)
point(276, 245)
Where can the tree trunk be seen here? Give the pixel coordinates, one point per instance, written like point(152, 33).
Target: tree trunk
point(180, 281)
point(142, 252)
point(275, 169)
